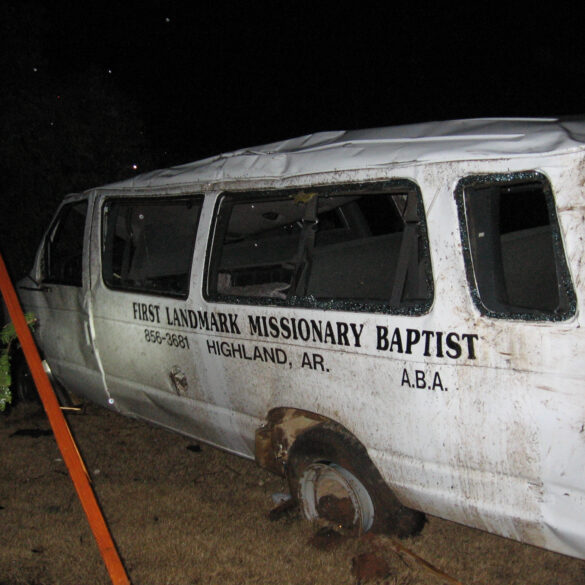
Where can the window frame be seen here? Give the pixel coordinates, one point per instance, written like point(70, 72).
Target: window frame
point(49, 241)
point(564, 281)
point(133, 201)
point(389, 187)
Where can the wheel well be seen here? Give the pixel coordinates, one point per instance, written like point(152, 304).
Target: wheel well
point(18, 361)
point(330, 443)
point(283, 427)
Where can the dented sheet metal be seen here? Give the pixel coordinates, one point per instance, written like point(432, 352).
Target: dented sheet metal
point(420, 287)
point(361, 149)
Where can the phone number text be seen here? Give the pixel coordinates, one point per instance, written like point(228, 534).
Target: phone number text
point(171, 339)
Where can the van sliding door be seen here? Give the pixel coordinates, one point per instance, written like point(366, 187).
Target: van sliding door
point(142, 307)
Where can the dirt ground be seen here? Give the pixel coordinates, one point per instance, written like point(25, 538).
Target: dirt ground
point(184, 514)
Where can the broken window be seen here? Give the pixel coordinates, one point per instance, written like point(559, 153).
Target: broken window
point(63, 253)
point(514, 252)
point(148, 244)
point(362, 246)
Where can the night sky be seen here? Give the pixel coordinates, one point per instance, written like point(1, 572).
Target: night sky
point(210, 77)
point(98, 91)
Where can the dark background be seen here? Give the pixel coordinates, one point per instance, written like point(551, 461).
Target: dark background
point(93, 92)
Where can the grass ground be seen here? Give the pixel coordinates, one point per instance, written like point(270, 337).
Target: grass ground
point(181, 515)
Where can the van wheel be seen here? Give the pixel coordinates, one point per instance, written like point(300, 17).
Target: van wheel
point(335, 482)
point(24, 390)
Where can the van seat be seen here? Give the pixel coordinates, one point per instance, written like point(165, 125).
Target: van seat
point(357, 269)
point(529, 268)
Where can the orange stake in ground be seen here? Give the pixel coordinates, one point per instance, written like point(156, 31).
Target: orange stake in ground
point(65, 440)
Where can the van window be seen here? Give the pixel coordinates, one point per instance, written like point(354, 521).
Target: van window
point(148, 244)
point(361, 247)
point(62, 260)
point(514, 252)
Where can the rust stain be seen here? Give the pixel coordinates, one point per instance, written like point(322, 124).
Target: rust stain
point(339, 511)
point(276, 437)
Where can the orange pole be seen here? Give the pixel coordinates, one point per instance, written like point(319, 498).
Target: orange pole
point(65, 440)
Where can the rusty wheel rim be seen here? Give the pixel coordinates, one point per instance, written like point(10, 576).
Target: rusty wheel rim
point(332, 494)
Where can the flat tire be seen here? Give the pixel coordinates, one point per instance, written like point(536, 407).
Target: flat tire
point(335, 482)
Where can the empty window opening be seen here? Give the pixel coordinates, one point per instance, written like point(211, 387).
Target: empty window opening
point(363, 245)
point(148, 244)
point(516, 257)
point(63, 254)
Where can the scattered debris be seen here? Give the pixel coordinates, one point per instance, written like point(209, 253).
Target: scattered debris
point(326, 538)
point(73, 409)
point(340, 511)
point(280, 497)
point(35, 433)
point(304, 197)
point(381, 543)
point(369, 567)
point(194, 447)
point(284, 508)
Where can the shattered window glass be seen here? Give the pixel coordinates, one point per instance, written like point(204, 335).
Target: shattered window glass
point(62, 262)
point(364, 246)
point(148, 244)
point(515, 257)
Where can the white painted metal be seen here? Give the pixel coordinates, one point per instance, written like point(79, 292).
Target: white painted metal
point(500, 445)
point(478, 139)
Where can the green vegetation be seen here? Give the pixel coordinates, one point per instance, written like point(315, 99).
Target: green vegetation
point(7, 338)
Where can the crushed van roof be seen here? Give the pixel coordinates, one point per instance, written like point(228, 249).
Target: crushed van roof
point(483, 138)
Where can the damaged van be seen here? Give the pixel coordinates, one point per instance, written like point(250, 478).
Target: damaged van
point(390, 318)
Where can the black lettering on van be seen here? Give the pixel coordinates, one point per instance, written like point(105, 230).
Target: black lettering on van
point(439, 338)
point(421, 380)
point(382, 342)
point(328, 335)
point(356, 333)
point(313, 361)
point(213, 325)
point(273, 327)
point(223, 326)
point(241, 351)
point(396, 341)
point(455, 350)
point(202, 320)
point(342, 329)
point(412, 338)
point(438, 383)
point(452, 341)
point(257, 326)
point(470, 337)
point(316, 331)
point(427, 337)
point(426, 343)
point(146, 312)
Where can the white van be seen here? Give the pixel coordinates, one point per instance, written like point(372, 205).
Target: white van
point(390, 317)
